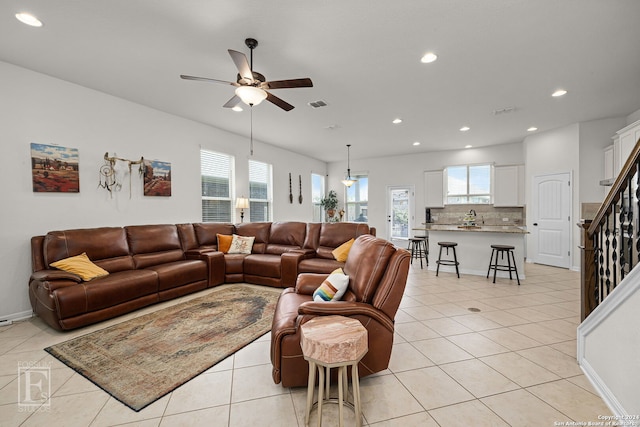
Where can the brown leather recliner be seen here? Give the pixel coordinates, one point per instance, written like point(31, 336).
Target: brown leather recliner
point(377, 273)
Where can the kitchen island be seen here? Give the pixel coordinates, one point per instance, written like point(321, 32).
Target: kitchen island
point(474, 246)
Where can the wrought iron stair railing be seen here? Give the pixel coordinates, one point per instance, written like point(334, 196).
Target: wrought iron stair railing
point(611, 242)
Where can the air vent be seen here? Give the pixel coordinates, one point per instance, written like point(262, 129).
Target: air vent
point(317, 104)
point(505, 110)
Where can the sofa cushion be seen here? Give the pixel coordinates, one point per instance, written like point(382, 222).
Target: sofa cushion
point(98, 243)
point(318, 265)
point(80, 265)
point(259, 230)
point(286, 236)
point(367, 264)
point(265, 265)
point(119, 287)
point(179, 273)
point(333, 287)
point(154, 244)
point(207, 232)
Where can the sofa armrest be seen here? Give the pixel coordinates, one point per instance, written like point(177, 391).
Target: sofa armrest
point(48, 275)
point(215, 265)
point(289, 267)
point(307, 283)
point(345, 308)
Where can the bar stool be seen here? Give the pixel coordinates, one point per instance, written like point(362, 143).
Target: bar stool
point(500, 250)
point(453, 261)
point(419, 249)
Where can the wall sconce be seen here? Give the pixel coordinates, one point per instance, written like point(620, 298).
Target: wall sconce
point(242, 203)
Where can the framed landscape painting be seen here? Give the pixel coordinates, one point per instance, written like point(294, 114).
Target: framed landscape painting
point(54, 169)
point(157, 178)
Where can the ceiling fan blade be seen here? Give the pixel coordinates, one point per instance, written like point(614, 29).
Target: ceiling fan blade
point(279, 102)
point(240, 59)
point(205, 79)
point(235, 100)
point(284, 84)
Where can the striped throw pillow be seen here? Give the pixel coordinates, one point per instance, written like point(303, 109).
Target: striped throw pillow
point(333, 287)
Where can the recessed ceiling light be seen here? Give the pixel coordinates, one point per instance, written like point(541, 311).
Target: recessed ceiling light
point(397, 121)
point(27, 18)
point(468, 146)
point(532, 129)
point(428, 58)
point(559, 92)
point(464, 128)
point(416, 143)
point(237, 108)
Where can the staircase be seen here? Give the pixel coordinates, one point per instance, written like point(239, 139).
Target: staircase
point(609, 336)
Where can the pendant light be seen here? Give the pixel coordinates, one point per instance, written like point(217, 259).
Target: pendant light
point(348, 182)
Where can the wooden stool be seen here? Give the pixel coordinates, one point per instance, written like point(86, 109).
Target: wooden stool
point(419, 249)
point(501, 250)
point(333, 342)
point(453, 261)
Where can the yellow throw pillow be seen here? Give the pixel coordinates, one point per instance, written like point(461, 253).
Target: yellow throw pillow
point(80, 265)
point(224, 242)
point(341, 252)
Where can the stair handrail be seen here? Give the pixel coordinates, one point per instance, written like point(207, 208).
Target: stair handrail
point(604, 245)
point(613, 196)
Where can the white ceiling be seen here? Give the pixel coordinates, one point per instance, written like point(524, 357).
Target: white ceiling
point(363, 57)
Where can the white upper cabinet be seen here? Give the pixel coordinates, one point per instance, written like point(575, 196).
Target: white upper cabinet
point(623, 144)
point(434, 189)
point(508, 188)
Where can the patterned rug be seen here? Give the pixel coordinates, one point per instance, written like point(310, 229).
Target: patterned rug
point(142, 359)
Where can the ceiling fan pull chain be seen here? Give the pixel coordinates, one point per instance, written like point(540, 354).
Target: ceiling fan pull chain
point(251, 118)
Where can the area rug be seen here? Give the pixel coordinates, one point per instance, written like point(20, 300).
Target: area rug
point(142, 359)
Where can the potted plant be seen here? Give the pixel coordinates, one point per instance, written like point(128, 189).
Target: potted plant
point(330, 203)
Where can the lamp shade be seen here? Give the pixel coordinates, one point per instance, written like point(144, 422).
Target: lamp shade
point(348, 182)
point(251, 95)
point(242, 203)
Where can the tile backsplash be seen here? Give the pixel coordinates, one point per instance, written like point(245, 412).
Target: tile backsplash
point(485, 215)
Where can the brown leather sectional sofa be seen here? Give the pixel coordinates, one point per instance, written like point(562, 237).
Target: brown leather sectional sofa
point(152, 263)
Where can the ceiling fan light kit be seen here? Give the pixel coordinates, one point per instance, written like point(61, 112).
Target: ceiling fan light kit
point(252, 87)
point(251, 95)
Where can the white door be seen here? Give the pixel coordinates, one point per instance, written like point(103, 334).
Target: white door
point(399, 214)
point(551, 214)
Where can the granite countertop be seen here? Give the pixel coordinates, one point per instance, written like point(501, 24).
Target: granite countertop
point(514, 229)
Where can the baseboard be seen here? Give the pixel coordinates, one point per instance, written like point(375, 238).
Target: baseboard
point(602, 389)
point(10, 318)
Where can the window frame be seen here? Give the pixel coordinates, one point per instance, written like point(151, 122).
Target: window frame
point(318, 211)
point(231, 184)
point(357, 206)
point(269, 199)
point(468, 195)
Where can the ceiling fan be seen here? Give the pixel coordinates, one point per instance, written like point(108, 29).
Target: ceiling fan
point(251, 86)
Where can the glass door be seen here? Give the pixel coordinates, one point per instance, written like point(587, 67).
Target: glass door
point(400, 216)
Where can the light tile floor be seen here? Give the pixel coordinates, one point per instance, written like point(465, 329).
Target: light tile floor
point(513, 363)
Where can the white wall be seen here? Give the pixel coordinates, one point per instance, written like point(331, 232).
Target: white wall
point(408, 170)
point(552, 152)
point(38, 108)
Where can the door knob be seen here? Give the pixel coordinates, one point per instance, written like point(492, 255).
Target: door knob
point(535, 223)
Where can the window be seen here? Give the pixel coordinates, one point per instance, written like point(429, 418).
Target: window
point(357, 205)
point(259, 191)
point(469, 184)
point(317, 193)
point(216, 177)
